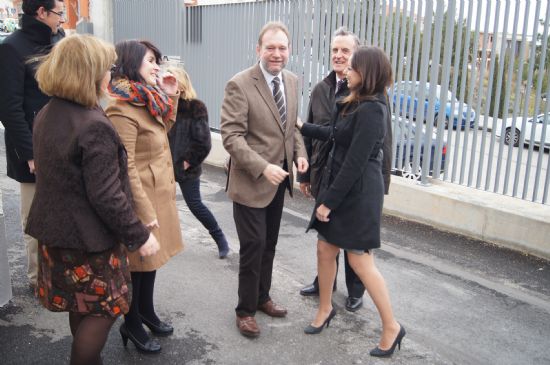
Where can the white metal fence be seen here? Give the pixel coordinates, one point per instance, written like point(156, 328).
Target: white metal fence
point(471, 76)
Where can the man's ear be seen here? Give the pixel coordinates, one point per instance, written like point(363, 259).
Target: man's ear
point(258, 50)
point(41, 13)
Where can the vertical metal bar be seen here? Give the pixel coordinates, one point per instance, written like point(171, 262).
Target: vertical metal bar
point(526, 110)
point(469, 110)
point(375, 40)
point(486, 111)
point(497, 103)
point(507, 99)
point(388, 13)
point(382, 15)
point(541, 73)
point(363, 23)
point(450, 152)
point(517, 99)
point(465, 62)
point(370, 15)
point(445, 79)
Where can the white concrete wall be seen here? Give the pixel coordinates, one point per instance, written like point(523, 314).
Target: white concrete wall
point(101, 15)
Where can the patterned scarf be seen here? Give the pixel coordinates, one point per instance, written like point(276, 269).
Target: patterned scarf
point(156, 101)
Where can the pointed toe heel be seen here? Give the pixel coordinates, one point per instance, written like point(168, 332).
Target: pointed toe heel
point(160, 329)
point(312, 330)
point(378, 352)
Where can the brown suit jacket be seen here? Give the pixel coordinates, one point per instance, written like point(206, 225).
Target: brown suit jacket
point(252, 134)
point(151, 177)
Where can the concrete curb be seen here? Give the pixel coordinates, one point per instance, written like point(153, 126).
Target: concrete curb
point(506, 221)
point(5, 279)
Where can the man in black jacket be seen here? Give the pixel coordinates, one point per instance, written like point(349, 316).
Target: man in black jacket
point(21, 99)
point(323, 98)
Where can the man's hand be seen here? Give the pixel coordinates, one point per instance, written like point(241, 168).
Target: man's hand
point(305, 188)
point(274, 174)
point(150, 247)
point(302, 165)
point(31, 166)
point(186, 165)
point(154, 224)
point(322, 213)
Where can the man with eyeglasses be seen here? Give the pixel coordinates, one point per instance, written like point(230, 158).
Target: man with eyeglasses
point(21, 99)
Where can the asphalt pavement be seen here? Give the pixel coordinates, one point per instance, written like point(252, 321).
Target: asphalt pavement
point(462, 301)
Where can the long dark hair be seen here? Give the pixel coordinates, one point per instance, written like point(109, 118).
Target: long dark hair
point(376, 74)
point(130, 55)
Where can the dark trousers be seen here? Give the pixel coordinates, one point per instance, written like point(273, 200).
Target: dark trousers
point(258, 231)
point(355, 287)
point(192, 196)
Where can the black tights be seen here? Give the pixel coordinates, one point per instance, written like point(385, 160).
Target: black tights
point(89, 336)
point(143, 286)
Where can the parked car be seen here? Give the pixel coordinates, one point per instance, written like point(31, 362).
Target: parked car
point(11, 24)
point(404, 132)
point(537, 123)
point(406, 90)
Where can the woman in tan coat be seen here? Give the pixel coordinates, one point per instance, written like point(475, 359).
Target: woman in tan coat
point(143, 110)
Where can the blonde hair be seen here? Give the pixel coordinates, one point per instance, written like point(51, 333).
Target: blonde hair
point(187, 92)
point(75, 69)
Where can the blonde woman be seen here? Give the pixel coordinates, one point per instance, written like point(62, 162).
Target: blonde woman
point(83, 208)
point(190, 144)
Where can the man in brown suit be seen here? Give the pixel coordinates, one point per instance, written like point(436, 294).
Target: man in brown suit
point(258, 127)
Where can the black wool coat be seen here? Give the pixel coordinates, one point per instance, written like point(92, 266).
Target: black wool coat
point(352, 185)
point(321, 106)
point(83, 198)
point(190, 139)
point(20, 97)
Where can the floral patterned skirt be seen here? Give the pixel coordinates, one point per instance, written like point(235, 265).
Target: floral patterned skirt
point(88, 283)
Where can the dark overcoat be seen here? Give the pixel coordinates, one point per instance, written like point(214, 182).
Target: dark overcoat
point(352, 185)
point(83, 199)
point(20, 97)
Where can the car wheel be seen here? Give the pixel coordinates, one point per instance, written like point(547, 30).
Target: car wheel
point(508, 137)
point(408, 172)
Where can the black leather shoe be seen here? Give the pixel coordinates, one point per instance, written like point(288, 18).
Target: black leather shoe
point(311, 290)
point(353, 304)
point(161, 329)
point(149, 347)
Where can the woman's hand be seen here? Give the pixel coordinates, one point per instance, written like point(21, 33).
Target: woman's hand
point(186, 165)
point(299, 123)
point(168, 83)
point(322, 213)
point(150, 247)
point(154, 224)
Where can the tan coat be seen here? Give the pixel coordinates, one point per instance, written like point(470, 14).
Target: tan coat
point(151, 178)
point(252, 134)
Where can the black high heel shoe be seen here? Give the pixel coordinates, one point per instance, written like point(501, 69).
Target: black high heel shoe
point(378, 352)
point(149, 347)
point(311, 330)
point(161, 329)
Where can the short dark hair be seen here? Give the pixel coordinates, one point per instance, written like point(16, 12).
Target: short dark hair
point(130, 55)
point(30, 7)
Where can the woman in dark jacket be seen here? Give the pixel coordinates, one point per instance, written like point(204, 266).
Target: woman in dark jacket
point(190, 144)
point(82, 211)
point(349, 204)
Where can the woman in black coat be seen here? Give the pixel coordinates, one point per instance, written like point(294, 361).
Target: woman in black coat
point(349, 204)
point(190, 144)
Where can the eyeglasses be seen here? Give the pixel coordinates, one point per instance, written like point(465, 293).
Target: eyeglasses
point(60, 14)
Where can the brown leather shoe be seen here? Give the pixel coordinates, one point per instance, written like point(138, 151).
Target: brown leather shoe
point(247, 326)
point(272, 309)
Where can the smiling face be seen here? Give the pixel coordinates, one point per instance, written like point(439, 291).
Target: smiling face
point(342, 48)
point(53, 17)
point(149, 69)
point(273, 51)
